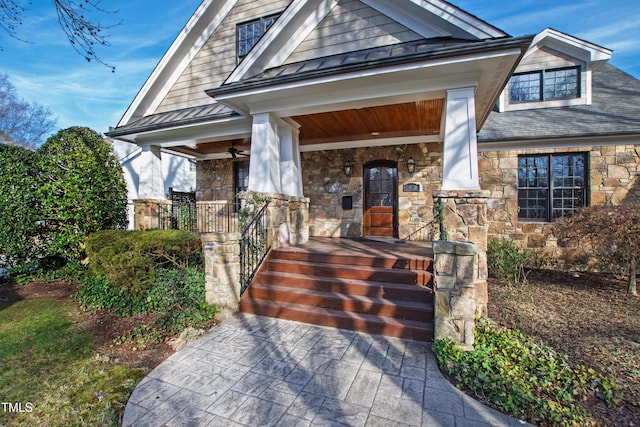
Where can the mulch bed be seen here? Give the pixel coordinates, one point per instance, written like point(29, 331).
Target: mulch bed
point(589, 316)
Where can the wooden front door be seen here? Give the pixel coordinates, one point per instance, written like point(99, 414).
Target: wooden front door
point(381, 199)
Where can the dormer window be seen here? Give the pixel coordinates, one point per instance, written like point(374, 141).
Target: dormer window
point(248, 33)
point(545, 85)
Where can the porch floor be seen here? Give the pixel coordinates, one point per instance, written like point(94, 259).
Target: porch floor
point(373, 246)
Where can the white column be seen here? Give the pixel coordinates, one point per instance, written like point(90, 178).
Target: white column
point(264, 163)
point(151, 183)
point(460, 162)
point(291, 179)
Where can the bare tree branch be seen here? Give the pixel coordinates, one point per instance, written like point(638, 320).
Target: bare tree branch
point(22, 122)
point(77, 18)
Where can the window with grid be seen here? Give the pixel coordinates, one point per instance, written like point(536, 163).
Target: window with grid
point(241, 180)
point(248, 34)
point(551, 186)
point(561, 83)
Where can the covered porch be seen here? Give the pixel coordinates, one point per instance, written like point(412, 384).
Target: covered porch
point(333, 129)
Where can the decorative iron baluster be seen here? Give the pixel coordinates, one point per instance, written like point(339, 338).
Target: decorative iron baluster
point(254, 247)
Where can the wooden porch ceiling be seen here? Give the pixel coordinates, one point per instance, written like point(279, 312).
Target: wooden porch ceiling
point(386, 121)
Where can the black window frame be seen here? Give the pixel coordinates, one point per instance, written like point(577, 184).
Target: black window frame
point(238, 167)
point(545, 200)
point(264, 21)
point(542, 77)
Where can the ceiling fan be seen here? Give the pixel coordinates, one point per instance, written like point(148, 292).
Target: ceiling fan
point(235, 152)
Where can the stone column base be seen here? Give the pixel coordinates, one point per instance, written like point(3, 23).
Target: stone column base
point(460, 291)
point(222, 269)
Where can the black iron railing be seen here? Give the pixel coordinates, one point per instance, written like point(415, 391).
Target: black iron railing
point(218, 217)
point(254, 247)
point(200, 217)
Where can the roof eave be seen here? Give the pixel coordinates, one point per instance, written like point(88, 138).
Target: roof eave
point(449, 52)
point(149, 129)
point(558, 141)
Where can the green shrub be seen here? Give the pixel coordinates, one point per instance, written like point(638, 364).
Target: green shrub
point(507, 261)
point(72, 271)
point(177, 296)
point(148, 272)
point(130, 259)
point(524, 378)
point(19, 226)
point(81, 190)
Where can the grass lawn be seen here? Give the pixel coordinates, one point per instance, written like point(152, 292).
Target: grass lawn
point(50, 369)
point(590, 317)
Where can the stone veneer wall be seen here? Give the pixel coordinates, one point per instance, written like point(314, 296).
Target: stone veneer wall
point(613, 174)
point(325, 183)
point(214, 180)
point(146, 213)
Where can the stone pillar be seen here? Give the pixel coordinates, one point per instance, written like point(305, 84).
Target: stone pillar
point(222, 269)
point(461, 264)
point(151, 183)
point(287, 220)
point(147, 214)
point(460, 156)
point(458, 279)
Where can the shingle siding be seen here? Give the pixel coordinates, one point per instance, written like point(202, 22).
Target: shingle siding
point(217, 58)
point(349, 27)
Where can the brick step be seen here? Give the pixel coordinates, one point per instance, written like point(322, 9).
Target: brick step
point(295, 254)
point(369, 323)
point(419, 311)
point(369, 288)
point(421, 278)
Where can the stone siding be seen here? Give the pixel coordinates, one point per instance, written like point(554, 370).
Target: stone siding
point(613, 179)
point(214, 180)
point(325, 183)
point(146, 213)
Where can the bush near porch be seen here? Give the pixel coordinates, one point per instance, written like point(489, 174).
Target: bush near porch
point(158, 272)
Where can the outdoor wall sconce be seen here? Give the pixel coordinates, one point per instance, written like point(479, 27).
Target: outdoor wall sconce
point(347, 167)
point(411, 165)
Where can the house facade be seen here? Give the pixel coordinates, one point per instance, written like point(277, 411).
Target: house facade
point(327, 101)
point(360, 117)
point(565, 134)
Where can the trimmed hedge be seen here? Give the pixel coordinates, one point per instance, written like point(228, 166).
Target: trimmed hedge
point(130, 259)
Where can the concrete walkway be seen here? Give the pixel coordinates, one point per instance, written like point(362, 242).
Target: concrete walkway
point(260, 371)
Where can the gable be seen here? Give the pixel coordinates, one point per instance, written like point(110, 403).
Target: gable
point(203, 56)
point(351, 26)
point(427, 18)
point(217, 57)
point(546, 58)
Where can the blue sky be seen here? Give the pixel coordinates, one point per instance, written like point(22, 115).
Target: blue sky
point(47, 70)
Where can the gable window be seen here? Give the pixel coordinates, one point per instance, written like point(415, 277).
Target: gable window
point(545, 85)
point(551, 186)
point(248, 34)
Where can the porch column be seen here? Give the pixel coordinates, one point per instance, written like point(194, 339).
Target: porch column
point(264, 166)
point(291, 179)
point(151, 183)
point(460, 158)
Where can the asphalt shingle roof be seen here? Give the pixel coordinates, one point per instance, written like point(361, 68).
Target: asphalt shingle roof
point(615, 109)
